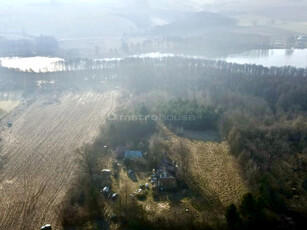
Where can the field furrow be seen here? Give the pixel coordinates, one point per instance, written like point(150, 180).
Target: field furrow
point(41, 160)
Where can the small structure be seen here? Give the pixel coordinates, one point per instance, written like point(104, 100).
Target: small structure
point(46, 227)
point(9, 124)
point(302, 41)
point(141, 186)
point(106, 172)
point(167, 182)
point(114, 196)
point(133, 155)
point(168, 165)
point(153, 177)
point(132, 175)
point(165, 177)
point(106, 190)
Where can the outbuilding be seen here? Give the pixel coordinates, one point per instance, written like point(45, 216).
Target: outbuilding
point(132, 155)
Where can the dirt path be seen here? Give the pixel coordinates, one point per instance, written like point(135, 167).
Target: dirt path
point(41, 164)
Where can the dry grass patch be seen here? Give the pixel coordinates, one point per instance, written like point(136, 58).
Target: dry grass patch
point(8, 106)
point(213, 170)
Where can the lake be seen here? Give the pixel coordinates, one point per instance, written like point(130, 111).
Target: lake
point(32, 64)
point(271, 57)
point(268, 58)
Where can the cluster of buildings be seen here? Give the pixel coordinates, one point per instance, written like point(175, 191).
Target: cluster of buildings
point(106, 182)
point(163, 178)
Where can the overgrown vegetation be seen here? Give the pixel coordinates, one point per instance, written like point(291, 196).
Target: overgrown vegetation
point(261, 112)
point(83, 208)
point(189, 114)
point(263, 119)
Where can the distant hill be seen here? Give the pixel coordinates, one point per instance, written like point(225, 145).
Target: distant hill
point(195, 24)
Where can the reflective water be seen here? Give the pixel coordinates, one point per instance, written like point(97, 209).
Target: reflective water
point(32, 64)
point(271, 57)
point(268, 58)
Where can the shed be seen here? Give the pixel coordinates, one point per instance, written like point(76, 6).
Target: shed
point(133, 154)
point(9, 124)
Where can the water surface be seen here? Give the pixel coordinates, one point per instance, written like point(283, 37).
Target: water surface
point(271, 57)
point(268, 58)
point(32, 64)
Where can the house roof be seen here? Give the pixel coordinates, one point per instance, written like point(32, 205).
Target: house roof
point(133, 154)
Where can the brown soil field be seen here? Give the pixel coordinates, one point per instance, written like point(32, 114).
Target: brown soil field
point(39, 155)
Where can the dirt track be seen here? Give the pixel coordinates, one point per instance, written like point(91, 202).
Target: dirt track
point(41, 164)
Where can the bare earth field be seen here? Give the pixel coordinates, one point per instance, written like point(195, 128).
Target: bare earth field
point(40, 159)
